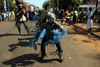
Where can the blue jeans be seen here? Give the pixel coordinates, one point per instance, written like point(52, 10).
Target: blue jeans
point(24, 22)
point(7, 17)
point(3, 19)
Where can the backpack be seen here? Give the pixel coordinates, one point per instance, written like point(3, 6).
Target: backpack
point(92, 17)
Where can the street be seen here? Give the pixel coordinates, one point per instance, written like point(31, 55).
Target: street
point(80, 50)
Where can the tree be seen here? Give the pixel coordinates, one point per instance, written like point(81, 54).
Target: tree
point(51, 4)
point(11, 5)
point(1, 4)
point(96, 11)
point(65, 4)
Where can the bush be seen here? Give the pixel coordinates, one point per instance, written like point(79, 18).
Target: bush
point(82, 17)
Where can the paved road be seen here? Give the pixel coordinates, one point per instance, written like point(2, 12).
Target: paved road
point(80, 50)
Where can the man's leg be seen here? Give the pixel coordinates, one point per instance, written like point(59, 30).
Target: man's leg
point(19, 28)
point(58, 45)
point(43, 54)
point(60, 51)
point(24, 22)
point(90, 30)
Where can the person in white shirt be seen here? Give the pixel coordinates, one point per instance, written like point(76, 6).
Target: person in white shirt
point(89, 21)
point(4, 15)
point(0, 17)
point(75, 16)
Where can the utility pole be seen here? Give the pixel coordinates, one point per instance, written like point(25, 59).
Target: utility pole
point(57, 4)
point(49, 3)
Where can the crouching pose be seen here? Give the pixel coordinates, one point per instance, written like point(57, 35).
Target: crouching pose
point(52, 34)
point(50, 30)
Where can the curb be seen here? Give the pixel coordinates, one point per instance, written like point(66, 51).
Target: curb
point(86, 30)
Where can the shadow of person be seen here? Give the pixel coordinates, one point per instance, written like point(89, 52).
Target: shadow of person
point(25, 60)
point(14, 46)
point(22, 42)
point(2, 35)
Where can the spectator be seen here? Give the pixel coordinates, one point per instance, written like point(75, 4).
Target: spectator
point(66, 13)
point(13, 15)
point(59, 11)
point(89, 21)
point(2, 14)
point(71, 15)
point(0, 17)
point(62, 16)
point(75, 14)
point(7, 15)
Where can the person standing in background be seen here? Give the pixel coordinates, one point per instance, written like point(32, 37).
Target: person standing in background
point(75, 15)
point(0, 17)
point(71, 17)
point(89, 21)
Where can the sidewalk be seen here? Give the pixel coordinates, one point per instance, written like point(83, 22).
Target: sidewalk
point(95, 30)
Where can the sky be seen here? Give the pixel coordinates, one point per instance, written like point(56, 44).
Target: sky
point(38, 3)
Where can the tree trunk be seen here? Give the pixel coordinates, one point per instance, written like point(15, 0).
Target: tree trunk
point(96, 11)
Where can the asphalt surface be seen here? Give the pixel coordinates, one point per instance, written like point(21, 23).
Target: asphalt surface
point(80, 50)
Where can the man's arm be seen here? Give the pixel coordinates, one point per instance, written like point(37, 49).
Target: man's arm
point(43, 15)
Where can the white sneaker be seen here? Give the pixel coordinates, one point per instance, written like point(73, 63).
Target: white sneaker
point(89, 33)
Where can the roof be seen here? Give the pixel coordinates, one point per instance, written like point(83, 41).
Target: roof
point(88, 6)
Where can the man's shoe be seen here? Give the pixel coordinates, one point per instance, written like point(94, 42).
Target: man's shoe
point(19, 33)
point(43, 56)
point(89, 33)
point(61, 58)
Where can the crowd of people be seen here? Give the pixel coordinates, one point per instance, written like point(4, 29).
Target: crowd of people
point(6, 16)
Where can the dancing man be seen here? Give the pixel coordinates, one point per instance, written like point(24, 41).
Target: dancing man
point(21, 18)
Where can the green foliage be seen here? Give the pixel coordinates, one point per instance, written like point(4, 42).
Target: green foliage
point(76, 2)
point(50, 3)
point(82, 17)
point(1, 4)
point(86, 1)
point(11, 5)
point(65, 4)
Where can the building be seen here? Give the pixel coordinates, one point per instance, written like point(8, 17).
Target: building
point(91, 3)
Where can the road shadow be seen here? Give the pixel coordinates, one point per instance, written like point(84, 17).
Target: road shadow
point(76, 30)
point(86, 41)
point(27, 59)
point(93, 55)
point(23, 42)
point(2, 35)
point(95, 29)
